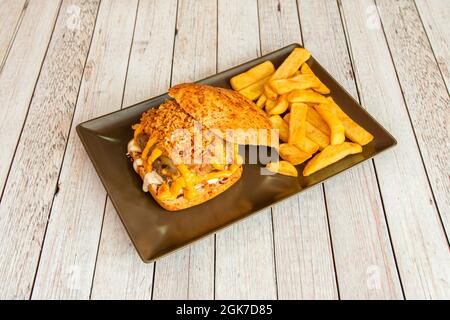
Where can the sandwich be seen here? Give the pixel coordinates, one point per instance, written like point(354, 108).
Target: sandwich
point(179, 148)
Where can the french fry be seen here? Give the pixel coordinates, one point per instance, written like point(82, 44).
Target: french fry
point(306, 69)
point(292, 63)
point(307, 95)
point(297, 129)
point(329, 155)
point(269, 92)
point(316, 120)
point(312, 132)
point(282, 167)
point(289, 66)
point(353, 131)
point(317, 136)
point(282, 126)
point(252, 75)
point(255, 90)
point(261, 101)
point(297, 124)
point(270, 104)
point(321, 88)
point(293, 154)
point(337, 135)
point(302, 81)
point(309, 146)
point(280, 107)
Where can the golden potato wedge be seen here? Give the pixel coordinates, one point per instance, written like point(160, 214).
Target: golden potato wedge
point(292, 154)
point(316, 120)
point(302, 81)
point(312, 132)
point(306, 69)
point(282, 167)
point(337, 130)
point(307, 95)
point(289, 66)
point(255, 90)
point(321, 87)
point(269, 92)
point(261, 101)
point(353, 131)
point(280, 107)
point(297, 123)
point(270, 104)
point(252, 75)
point(282, 126)
point(309, 146)
point(297, 129)
point(292, 63)
point(329, 155)
point(317, 136)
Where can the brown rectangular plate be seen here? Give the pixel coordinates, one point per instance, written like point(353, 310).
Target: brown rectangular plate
point(155, 231)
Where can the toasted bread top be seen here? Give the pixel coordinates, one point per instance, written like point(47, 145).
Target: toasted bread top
point(178, 134)
point(221, 109)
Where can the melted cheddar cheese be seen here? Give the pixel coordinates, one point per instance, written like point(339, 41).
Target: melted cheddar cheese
point(190, 180)
point(137, 130)
point(147, 148)
point(218, 166)
point(164, 192)
point(187, 182)
point(177, 186)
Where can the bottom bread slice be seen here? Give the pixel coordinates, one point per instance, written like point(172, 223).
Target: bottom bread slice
point(205, 193)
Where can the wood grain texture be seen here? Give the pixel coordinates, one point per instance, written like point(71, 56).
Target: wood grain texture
point(34, 173)
point(361, 243)
point(19, 74)
point(11, 13)
point(401, 71)
point(435, 15)
point(70, 248)
point(189, 273)
point(245, 266)
point(120, 273)
point(303, 253)
point(418, 237)
point(427, 97)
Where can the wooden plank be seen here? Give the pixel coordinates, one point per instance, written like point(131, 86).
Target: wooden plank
point(31, 184)
point(73, 233)
point(189, 273)
point(245, 266)
point(10, 18)
point(303, 253)
point(419, 241)
point(19, 74)
point(120, 273)
point(354, 206)
point(435, 15)
point(425, 94)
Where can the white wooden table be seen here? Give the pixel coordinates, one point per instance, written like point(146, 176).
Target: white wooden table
point(380, 230)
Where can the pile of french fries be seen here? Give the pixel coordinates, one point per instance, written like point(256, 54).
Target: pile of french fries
point(311, 125)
